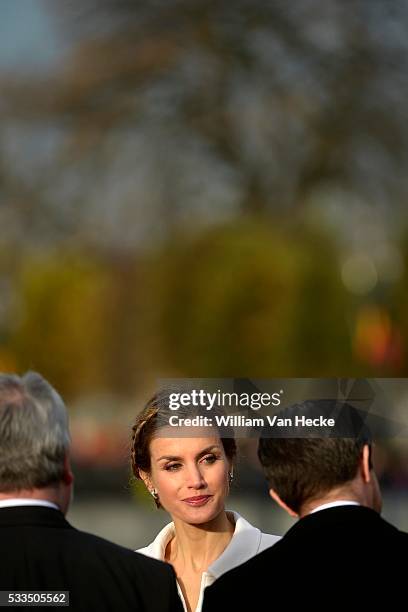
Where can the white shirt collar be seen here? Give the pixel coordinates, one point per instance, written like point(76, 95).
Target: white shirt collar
point(22, 501)
point(243, 545)
point(339, 502)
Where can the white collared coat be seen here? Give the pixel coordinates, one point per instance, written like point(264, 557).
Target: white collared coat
point(246, 542)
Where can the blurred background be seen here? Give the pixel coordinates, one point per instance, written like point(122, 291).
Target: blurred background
point(200, 189)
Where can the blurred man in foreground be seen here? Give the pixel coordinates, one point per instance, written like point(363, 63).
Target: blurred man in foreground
point(40, 550)
point(340, 551)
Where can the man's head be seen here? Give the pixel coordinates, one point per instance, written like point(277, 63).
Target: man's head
point(34, 440)
point(306, 471)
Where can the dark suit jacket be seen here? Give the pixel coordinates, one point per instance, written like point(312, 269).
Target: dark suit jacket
point(40, 550)
point(347, 555)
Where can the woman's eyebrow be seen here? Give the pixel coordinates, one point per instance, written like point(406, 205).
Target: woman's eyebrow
point(208, 450)
point(169, 458)
point(200, 454)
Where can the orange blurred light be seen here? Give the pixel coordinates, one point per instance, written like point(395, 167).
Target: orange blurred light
point(376, 340)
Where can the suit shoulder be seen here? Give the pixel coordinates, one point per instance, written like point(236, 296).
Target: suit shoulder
point(254, 566)
point(90, 542)
point(239, 587)
point(403, 537)
point(392, 533)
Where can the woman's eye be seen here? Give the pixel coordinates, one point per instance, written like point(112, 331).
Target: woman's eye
point(172, 467)
point(210, 459)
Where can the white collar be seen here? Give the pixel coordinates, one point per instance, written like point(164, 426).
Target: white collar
point(243, 545)
point(22, 501)
point(340, 502)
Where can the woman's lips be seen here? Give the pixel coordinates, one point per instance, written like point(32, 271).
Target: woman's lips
point(198, 500)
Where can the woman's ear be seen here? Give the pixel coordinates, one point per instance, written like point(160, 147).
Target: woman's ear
point(145, 476)
point(230, 466)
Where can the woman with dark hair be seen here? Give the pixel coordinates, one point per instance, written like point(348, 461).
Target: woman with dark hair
point(190, 477)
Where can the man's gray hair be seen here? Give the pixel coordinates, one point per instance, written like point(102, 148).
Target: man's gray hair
point(34, 434)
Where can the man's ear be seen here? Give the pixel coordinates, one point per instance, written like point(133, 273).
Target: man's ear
point(282, 504)
point(67, 475)
point(365, 464)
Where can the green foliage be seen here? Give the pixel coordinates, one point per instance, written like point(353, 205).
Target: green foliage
point(244, 299)
point(61, 326)
point(247, 300)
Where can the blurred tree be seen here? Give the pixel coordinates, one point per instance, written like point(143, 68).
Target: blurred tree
point(190, 112)
point(246, 300)
point(168, 121)
point(60, 322)
point(239, 300)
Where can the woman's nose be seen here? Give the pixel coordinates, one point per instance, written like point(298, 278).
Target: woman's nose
point(195, 478)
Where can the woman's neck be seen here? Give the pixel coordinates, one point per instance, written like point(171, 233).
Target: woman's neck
point(195, 547)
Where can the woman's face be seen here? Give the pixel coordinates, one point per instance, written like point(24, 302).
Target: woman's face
point(190, 476)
